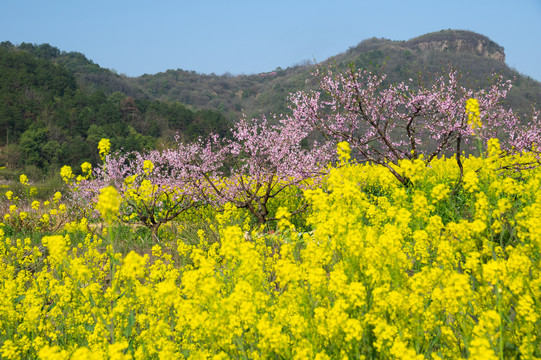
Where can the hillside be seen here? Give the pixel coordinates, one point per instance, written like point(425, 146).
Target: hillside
point(55, 107)
point(90, 76)
point(473, 54)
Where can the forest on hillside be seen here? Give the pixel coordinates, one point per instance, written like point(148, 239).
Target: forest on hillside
point(47, 119)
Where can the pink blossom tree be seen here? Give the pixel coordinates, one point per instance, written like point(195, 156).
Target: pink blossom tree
point(254, 167)
point(152, 191)
point(384, 124)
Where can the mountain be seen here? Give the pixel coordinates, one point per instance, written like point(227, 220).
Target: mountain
point(475, 55)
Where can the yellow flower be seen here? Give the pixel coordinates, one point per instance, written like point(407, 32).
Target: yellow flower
point(471, 181)
point(116, 351)
point(480, 349)
point(52, 353)
point(86, 168)
point(344, 151)
point(57, 246)
point(57, 196)
point(9, 195)
point(283, 216)
point(108, 203)
point(440, 192)
point(66, 173)
point(148, 166)
point(44, 218)
point(10, 350)
point(493, 147)
point(474, 115)
point(134, 265)
point(23, 179)
point(83, 353)
point(104, 147)
point(35, 205)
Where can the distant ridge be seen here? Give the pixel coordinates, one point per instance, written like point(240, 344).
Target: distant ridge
point(473, 54)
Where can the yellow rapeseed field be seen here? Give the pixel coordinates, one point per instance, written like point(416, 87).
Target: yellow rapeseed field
point(437, 270)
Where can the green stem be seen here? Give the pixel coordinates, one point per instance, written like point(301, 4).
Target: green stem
point(501, 322)
point(112, 269)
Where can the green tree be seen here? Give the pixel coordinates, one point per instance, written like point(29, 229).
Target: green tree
point(31, 143)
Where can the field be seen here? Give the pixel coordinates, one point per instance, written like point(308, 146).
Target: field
point(412, 232)
point(372, 269)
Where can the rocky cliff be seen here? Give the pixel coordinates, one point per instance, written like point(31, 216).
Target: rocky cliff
point(459, 41)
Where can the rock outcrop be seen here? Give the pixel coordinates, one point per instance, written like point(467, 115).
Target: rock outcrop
point(457, 40)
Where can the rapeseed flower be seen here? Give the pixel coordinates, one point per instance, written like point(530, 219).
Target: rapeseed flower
point(474, 115)
point(148, 166)
point(493, 147)
point(471, 181)
point(108, 203)
point(440, 192)
point(86, 168)
point(344, 151)
point(57, 196)
point(104, 147)
point(380, 271)
point(23, 179)
point(66, 173)
point(57, 246)
point(284, 216)
point(134, 266)
point(10, 350)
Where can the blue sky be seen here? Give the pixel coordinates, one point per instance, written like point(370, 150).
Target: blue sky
point(244, 37)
